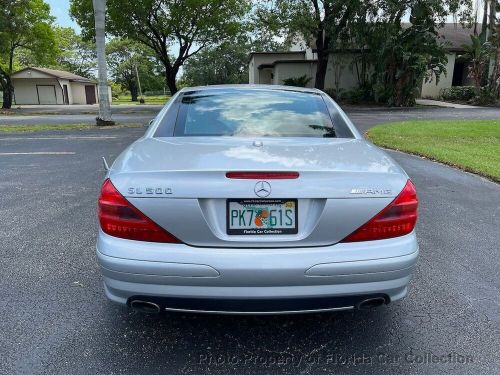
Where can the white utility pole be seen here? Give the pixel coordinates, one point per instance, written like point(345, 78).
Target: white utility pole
point(104, 117)
point(138, 80)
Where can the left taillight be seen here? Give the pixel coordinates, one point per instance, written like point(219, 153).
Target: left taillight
point(119, 218)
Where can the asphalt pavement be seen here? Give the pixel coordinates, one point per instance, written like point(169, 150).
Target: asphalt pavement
point(55, 318)
point(363, 117)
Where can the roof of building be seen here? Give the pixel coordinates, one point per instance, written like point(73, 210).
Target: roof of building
point(281, 53)
point(251, 54)
point(273, 64)
point(58, 74)
point(456, 35)
point(251, 86)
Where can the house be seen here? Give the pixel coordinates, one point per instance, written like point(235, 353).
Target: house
point(274, 68)
point(50, 86)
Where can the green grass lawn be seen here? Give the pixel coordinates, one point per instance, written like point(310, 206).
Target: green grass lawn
point(156, 99)
point(42, 127)
point(472, 145)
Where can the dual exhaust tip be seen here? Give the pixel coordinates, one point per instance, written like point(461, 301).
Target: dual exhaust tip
point(371, 303)
point(149, 307)
point(146, 307)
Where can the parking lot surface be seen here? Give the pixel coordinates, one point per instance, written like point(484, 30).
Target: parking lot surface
point(55, 318)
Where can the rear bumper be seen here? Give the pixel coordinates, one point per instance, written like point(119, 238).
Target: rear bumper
point(232, 280)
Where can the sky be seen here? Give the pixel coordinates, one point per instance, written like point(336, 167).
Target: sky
point(60, 10)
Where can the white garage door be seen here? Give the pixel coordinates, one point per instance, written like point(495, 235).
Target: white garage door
point(46, 94)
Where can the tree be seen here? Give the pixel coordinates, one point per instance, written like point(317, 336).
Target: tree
point(188, 25)
point(126, 59)
point(226, 63)
point(495, 40)
point(75, 54)
point(104, 117)
point(324, 21)
point(478, 53)
point(402, 56)
point(484, 55)
point(25, 25)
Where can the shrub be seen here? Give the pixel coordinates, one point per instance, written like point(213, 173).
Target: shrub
point(485, 97)
point(461, 93)
point(301, 81)
point(334, 93)
point(359, 95)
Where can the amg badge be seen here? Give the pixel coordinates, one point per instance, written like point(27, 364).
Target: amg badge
point(371, 191)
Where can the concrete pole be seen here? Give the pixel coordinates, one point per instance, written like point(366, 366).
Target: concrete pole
point(104, 117)
point(138, 80)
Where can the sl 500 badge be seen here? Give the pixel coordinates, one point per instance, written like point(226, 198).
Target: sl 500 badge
point(149, 191)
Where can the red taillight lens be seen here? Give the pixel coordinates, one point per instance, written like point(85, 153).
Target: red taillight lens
point(263, 175)
point(397, 219)
point(119, 218)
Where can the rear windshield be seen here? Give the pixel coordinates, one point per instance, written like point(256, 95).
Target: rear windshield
point(245, 113)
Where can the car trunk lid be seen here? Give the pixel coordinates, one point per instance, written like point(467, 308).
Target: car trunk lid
point(181, 184)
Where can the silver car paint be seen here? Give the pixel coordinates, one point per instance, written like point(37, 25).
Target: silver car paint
point(213, 264)
point(135, 268)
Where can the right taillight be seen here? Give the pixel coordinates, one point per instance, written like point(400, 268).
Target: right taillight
point(119, 218)
point(397, 219)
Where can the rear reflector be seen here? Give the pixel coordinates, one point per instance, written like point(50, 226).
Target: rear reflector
point(397, 219)
point(263, 175)
point(119, 218)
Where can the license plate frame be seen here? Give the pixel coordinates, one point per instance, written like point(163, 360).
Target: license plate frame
point(265, 230)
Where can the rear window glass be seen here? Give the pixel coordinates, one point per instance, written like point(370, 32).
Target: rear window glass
point(245, 113)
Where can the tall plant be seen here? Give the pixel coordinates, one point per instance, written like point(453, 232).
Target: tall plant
point(478, 53)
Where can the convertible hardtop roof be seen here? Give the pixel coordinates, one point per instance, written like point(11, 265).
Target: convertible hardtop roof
point(253, 87)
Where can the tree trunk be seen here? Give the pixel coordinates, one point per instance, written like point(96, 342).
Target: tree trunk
point(493, 17)
point(492, 31)
point(7, 87)
point(484, 26)
point(133, 91)
point(170, 79)
point(322, 44)
point(7, 93)
point(483, 80)
point(104, 117)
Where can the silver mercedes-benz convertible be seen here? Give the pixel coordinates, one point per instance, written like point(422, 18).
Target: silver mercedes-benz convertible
point(255, 200)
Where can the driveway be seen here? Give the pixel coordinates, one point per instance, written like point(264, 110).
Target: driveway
point(366, 118)
point(78, 114)
point(362, 117)
point(56, 320)
point(80, 108)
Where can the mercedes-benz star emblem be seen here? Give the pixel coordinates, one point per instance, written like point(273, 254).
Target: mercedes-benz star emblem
point(262, 189)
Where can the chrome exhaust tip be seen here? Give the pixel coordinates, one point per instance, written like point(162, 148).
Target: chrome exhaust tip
point(371, 303)
point(145, 306)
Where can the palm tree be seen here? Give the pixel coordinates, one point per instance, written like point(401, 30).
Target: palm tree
point(104, 117)
point(478, 53)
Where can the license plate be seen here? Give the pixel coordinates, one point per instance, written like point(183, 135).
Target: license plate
point(262, 216)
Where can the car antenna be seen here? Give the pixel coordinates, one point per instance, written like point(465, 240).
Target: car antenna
point(105, 164)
